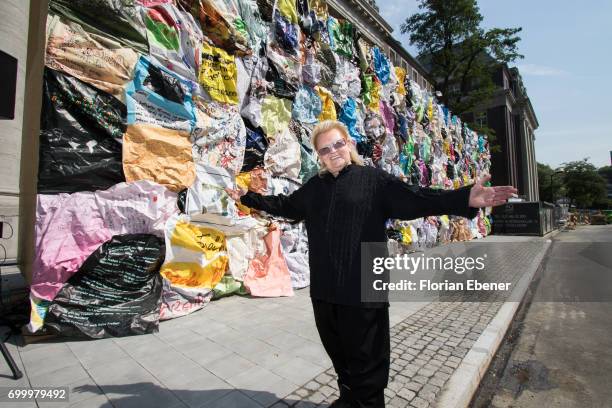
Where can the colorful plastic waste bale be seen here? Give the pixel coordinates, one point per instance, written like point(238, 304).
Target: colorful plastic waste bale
point(348, 116)
point(268, 275)
point(256, 146)
point(69, 227)
point(219, 137)
point(341, 33)
point(81, 132)
point(307, 105)
point(196, 260)
point(309, 165)
point(381, 65)
point(120, 22)
point(276, 114)
point(174, 38)
point(218, 74)
point(254, 24)
point(115, 293)
point(328, 108)
point(93, 58)
point(283, 157)
point(221, 24)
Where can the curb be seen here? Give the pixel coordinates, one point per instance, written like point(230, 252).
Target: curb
point(461, 386)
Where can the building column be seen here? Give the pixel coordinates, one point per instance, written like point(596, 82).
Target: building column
point(528, 176)
point(536, 191)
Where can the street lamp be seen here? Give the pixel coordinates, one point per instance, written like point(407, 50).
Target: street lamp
point(552, 191)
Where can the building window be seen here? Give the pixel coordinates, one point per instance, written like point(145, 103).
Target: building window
point(415, 75)
point(481, 118)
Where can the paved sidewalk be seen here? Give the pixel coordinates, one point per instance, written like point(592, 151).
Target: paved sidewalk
point(243, 352)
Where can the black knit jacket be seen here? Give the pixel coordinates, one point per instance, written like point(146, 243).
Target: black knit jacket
point(342, 212)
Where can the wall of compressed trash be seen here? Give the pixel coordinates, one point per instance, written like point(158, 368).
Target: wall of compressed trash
point(152, 107)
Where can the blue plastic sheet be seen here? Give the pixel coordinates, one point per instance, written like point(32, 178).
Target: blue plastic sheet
point(158, 96)
point(348, 116)
point(307, 105)
point(381, 65)
point(286, 33)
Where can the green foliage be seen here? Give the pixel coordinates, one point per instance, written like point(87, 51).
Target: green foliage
point(461, 55)
point(583, 185)
point(550, 182)
point(606, 173)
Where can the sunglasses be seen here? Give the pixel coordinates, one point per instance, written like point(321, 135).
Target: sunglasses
point(337, 145)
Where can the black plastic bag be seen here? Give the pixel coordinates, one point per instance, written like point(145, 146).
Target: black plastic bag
point(281, 85)
point(181, 200)
point(115, 19)
point(81, 129)
point(116, 292)
point(256, 146)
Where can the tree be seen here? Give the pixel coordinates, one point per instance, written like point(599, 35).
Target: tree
point(550, 182)
point(606, 173)
point(460, 54)
point(583, 185)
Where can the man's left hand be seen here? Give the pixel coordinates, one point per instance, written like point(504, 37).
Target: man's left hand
point(481, 196)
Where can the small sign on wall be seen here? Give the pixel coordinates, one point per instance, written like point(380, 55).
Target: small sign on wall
point(8, 85)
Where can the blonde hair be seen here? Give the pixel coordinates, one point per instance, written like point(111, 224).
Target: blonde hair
point(326, 126)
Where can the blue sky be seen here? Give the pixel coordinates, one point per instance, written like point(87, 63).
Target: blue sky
point(567, 70)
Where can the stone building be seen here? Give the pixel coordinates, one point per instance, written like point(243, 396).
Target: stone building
point(365, 16)
point(510, 114)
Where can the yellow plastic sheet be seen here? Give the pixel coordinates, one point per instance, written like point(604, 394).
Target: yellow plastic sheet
point(218, 74)
point(375, 97)
point(406, 235)
point(320, 9)
point(243, 181)
point(328, 111)
point(288, 10)
point(400, 73)
point(197, 257)
point(158, 154)
point(275, 115)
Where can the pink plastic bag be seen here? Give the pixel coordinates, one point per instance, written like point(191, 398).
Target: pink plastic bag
point(268, 275)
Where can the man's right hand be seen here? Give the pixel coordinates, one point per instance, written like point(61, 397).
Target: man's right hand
point(235, 194)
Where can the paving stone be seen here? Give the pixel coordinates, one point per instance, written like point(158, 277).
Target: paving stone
point(326, 390)
point(413, 386)
point(437, 381)
point(397, 402)
point(420, 379)
point(323, 378)
point(418, 402)
point(395, 386)
point(445, 369)
point(426, 372)
point(316, 397)
point(312, 386)
point(452, 364)
point(401, 378)
point(406, 394)
point(442, 375)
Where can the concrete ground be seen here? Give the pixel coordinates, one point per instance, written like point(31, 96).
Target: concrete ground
point(563, 357)
point(244, 352)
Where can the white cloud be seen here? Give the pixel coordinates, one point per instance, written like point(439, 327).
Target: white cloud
point(541, 70)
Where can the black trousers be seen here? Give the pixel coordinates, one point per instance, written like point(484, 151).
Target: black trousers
point(357, 341)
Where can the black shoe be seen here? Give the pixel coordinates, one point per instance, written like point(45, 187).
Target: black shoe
point(341, 403)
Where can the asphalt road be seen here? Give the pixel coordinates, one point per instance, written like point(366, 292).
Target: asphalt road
point(562, 356)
